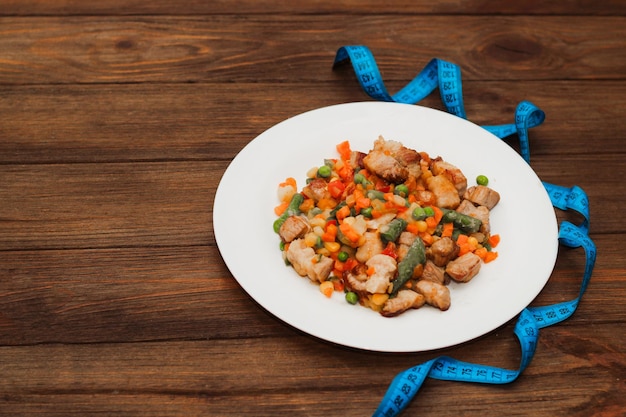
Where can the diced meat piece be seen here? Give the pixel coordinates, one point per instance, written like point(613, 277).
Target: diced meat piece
point(385, 166)
point(389, 146)
point(385, 268)
point(404, 300)
point(434, 273)
point(464, 268)
point(482, 196)
point(316, 189)
point(406, 238)
point(427, 198)
point(375, 224)
point(410, 159)
point(372, 246)
point(454, 174)
point(436, 295)
point(446, 194)
point(356, 159)
point(357, 279)
point(480, 212)
point(393, 161)
point(442, 251)
point(307, 263)
point(293, 228)
point(321, 269)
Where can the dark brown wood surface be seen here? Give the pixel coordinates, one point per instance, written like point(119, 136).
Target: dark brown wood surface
point(117, 121)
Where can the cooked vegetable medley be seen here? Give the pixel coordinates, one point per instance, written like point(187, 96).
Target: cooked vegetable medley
point(390, 228)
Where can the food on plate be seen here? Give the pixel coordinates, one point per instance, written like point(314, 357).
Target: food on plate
point(391, 228)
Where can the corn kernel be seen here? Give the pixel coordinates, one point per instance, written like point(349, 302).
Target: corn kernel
point(311, 239)
point(332, 246)
point(379, 299)
point(323, 251)
point(422, 226)
point(317, 222)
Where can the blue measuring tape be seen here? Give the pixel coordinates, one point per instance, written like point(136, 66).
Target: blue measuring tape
point(447, 77)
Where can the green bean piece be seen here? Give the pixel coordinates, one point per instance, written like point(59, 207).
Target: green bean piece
point(463, 222)
point(366, 212)
point(352, 297)
point(359, 178)
point(375, 195)
point(292, 210)
point(415, 255)
point(391, 231)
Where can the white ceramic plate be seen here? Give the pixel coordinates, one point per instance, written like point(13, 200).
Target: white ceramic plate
point(525, 219)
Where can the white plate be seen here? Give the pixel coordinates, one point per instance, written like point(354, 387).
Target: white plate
point(525, 219)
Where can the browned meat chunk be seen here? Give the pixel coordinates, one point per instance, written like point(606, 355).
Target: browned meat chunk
point(464, 268)
point(372, 246)
point(307, 263)
point(454, 174)
point(410, 159)
point(446, 194)
point(385, 166)
point(435, 294)
point(293, 228)
point(442, 251)
point(384, 268)
point(434, 273)
point(316, 189)
point(482, 196)
point(404, 300)
point(356, 159)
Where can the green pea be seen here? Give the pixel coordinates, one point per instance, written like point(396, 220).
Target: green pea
point(359, 178)
point(343, 256)
point(419, 213)
point(429, 211)
point(324, 171)
point(482, 180)
point(401, 190)
point(352, 298)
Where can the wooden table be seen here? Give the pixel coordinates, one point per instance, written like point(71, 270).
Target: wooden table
point(117, 121)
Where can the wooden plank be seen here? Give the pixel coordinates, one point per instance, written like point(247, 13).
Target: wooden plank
point(265, 377)
point(404, 7)
point(170, 204)
point(273, 48)
point(176, 122)
point(177, 293)
point(104, 205)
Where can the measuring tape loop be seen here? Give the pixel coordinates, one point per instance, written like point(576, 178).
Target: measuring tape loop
point(447, 77)
point(573, 198)
point(407, 383)
point(436, 74)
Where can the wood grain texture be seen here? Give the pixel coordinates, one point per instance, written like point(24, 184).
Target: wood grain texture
point(225, 48)
point(191, 122)
point(349, 7)
point(117, 121)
